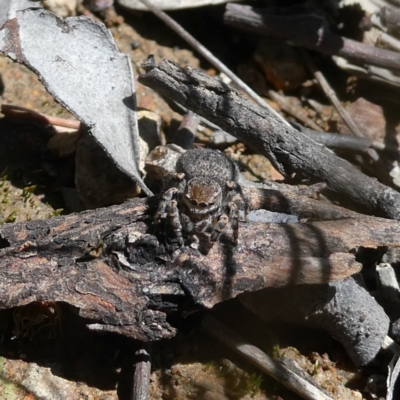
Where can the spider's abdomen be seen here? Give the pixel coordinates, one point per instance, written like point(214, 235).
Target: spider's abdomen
point(210, 163)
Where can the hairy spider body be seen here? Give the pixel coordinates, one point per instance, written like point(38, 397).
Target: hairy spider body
point(199, 198)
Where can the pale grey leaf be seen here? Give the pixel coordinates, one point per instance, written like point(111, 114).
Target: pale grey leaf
point(78, 63)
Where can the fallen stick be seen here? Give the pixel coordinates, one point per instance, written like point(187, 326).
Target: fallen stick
point(26, 113)
point(141, 378)
point(309, 30)
point(268, 365)
point(288, 150)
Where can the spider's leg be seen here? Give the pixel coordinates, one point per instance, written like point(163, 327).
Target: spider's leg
point(232, 185)
point(234, 218)
point(194, 242)
point(203, 225)
point(187, 224)
point(219, 227)
point(167, 197)
point(235, 189)
point(173, 215)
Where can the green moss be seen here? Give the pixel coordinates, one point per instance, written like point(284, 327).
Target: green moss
point(22, 204)
point(208, 366)
point(27, 192)
point(58, 212)
point(10, 218)
point(238, 383)
point(276, 352)
point(252, 386)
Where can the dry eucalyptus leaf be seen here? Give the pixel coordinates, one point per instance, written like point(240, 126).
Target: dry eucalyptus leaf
point(79, 65)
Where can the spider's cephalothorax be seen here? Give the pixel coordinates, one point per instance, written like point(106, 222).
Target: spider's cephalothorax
point(199, 198)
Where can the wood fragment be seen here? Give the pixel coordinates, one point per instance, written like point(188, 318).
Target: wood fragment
point(268, 365)
point(111, 111)
point(330, 93)
point(289, 151)
point(26, 113)
point(187, 130)
point(393, 376)
point(340, 141)
point(388, 291)
point(391, 345)
point(110, 266)
point(369, 72)
point(141, 378)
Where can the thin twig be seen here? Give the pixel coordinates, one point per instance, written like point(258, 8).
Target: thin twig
point(394, 371)
point(390, 344)
point(187, 130)
point(275, 369)
point(141, 378)
point(25, 113)
point(330, 93)
point(339, 141)
point(210, 57)
point(288, 150)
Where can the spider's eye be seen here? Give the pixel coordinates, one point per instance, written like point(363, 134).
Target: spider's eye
point(202, 204)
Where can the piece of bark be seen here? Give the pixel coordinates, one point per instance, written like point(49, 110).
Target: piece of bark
point(187, 130)
point(289, 151)
point(109, 265)
point(388, 291)
point(310, 30)
point(289, 200)
point(70, 259)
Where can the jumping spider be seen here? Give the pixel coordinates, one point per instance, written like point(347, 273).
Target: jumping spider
point(200, 197)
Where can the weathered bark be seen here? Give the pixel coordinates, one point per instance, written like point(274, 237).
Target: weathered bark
point(289, 150)
point(50, 260)
point(110, 266)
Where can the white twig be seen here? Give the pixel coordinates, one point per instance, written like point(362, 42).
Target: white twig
point(268, 365)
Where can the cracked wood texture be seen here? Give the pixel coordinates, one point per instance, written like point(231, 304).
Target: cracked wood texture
point(290, 151)
point(110, 265)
